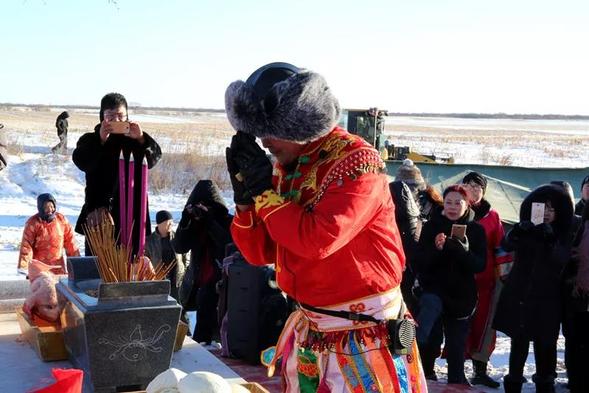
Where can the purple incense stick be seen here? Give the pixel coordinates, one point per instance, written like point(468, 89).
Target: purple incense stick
point(122, 202)
point(130, 194)
point(143, 211)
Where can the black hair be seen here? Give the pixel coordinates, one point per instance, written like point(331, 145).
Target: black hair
point(112, 101)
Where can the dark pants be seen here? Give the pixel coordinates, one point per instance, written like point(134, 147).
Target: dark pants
point(577, 350)
point(206, 313)
point(544, 353)
point(430, 337)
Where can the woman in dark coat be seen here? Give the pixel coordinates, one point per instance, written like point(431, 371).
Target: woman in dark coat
point(529, 307)
point(97, 155)
point(204, 231)
point(446, 271)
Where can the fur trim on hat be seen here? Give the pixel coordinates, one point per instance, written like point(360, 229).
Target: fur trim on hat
point(305, 109)
point(409, 174)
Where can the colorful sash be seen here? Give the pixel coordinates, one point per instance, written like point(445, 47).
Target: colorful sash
point(322, 353)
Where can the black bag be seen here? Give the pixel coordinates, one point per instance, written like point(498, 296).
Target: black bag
point(256, 313)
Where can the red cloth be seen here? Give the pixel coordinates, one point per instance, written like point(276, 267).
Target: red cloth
point(329, 226)
point(481, 338)
point(67, 381)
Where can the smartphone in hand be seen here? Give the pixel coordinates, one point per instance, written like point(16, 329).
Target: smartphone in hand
point(119, 127)
point(537, 216)
point(458, 231)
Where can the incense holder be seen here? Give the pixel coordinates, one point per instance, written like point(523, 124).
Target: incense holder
point(121, 334)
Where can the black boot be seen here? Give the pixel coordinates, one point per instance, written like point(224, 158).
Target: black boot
point(512, 386)
point(544, 384)
point(480, 375)
point(428, 360)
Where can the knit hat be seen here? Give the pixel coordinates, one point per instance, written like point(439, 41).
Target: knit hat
point(585, 181)
point(476, 178)
point(282, 101)
point(410, 175)
point(162, 215)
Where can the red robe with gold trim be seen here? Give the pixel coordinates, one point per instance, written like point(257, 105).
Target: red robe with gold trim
point(328, 226)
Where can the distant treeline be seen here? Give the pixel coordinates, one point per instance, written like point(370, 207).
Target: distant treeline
point(131, 106)
point(524, 116)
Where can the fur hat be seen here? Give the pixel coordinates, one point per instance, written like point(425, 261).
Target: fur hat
point(282, 101)
point(162, 215)
point(476, 178)
point(410, 175)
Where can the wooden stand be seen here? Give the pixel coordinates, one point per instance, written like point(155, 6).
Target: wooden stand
point(46, 341)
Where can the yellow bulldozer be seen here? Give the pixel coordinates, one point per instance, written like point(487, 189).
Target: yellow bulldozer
point(369, 124)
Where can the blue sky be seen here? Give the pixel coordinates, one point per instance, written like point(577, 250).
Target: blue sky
point(515, 56)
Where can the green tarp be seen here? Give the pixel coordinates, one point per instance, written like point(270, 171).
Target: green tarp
point(508, 185)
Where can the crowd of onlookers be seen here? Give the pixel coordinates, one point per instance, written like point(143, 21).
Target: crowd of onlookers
point(467, 278)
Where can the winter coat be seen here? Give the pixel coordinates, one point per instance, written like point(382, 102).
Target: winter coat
point(580, 206)
point(499, 262)
point(450, 272)
point(61, 123)
point(428, 205)
point(46, 242)
point(481, 339)
point(530, 303)
point(153, 250)
point(407, 216)
point(576, 300)
point(205, 238)
point(100, 163)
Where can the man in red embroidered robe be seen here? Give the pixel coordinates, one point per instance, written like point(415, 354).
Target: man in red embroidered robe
point(323, 215)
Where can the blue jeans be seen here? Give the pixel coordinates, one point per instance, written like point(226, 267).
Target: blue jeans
point(430, 311)
point(429, 335)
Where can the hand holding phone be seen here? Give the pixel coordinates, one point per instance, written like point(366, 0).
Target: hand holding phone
point(119, 127)
point(537, 216)
point(458, 231)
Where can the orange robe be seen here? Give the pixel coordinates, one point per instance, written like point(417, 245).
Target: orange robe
point(46, 241)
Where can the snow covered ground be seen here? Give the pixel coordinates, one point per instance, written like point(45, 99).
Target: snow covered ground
point(33, 169)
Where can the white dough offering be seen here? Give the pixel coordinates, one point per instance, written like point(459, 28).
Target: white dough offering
point(203, 382)
point(235, 388)
point(166, 382)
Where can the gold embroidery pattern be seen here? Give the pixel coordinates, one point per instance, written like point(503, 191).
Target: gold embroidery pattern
point(334, 147)
point(359, 162)
point(269, 198)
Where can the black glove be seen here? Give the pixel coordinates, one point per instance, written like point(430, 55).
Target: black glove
point(241, 195)
point(254, 167)
point(456, 244)
point(544, 231)
point(524, 226)
point(199, 212)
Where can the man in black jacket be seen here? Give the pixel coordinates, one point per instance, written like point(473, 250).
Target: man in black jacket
point(97, 155)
